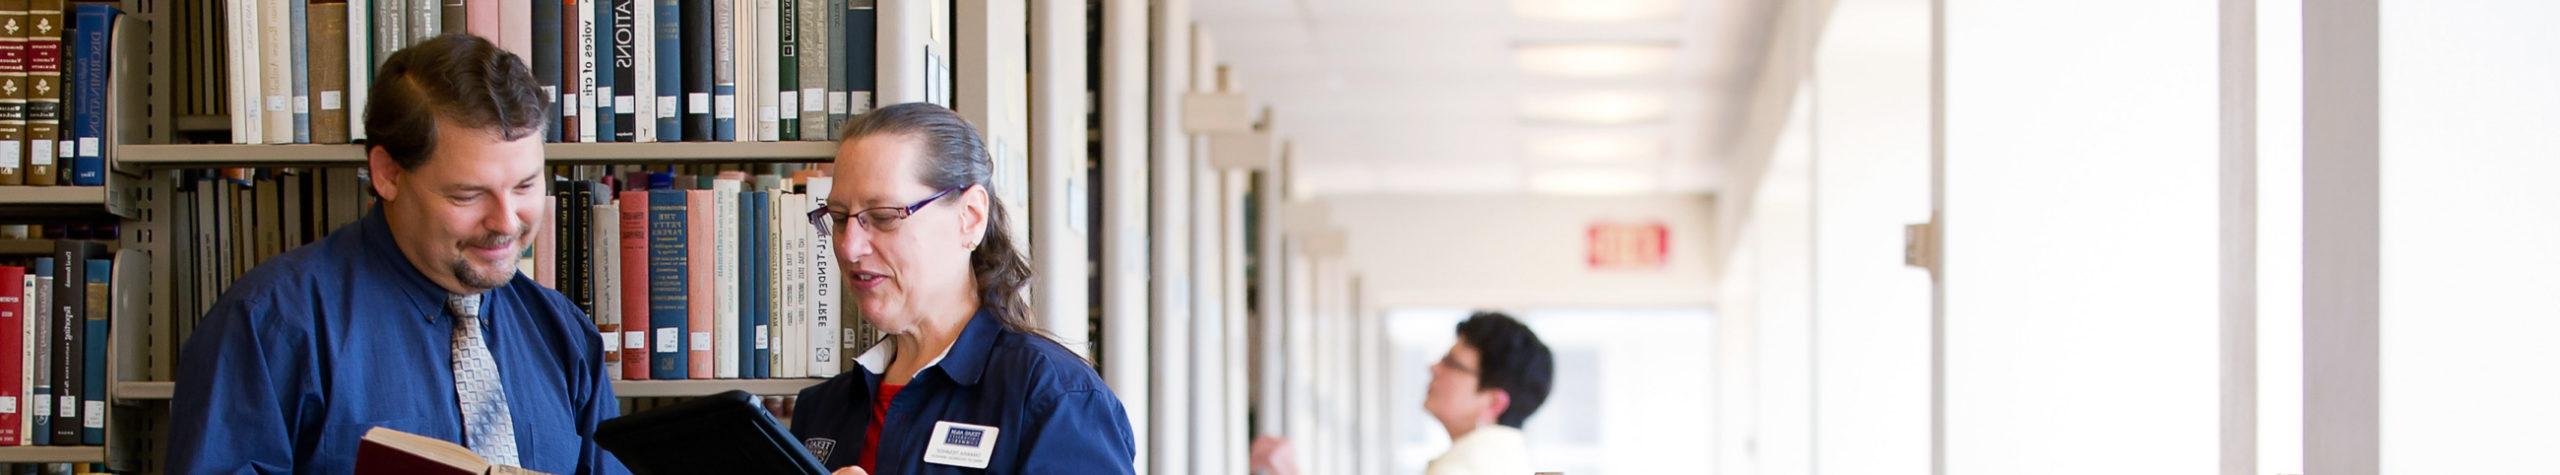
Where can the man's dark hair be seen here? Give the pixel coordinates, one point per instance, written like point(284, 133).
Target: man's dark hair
point(460, 78)
point(1510, 358)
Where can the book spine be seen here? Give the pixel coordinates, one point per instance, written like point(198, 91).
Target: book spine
point(543, 28)
point(360, 60)
point(813, 69)
point(763, 284)
point(671, 66)
point(724, 196)
point(701, 215)
point(297, 73)
point(697, 78)
point(275, 64)
point(608, 270)
point(39, 427)
point(793, 348)
point(91, 56)
point(724, 70)
point(14, 286)
point(823, 337)
point(582, 275)
point(862, 49)
point(624, 73)
point(480, 18)
point(13, 94)
point(239, 53)
point(44, 96)
point(789, 108)
point(634, 258)
point(390, 28)
point(836, 71)
point(93, 355)
point(577, 66)
point(515, 26)
point(329, 68)
point(768, 85)
point(644, 70)
point(426, 20)
point(667, 272)
point(71, 302)
point(453, 16)
point(595, 72)
point(748, 244)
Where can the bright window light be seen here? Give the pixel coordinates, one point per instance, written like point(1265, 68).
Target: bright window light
point(1594, 59)
point(1596, 107)
point(1593, 180)
point(1594, 146)
point(1595, 11)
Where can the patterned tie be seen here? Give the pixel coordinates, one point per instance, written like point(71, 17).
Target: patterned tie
point(487, 425)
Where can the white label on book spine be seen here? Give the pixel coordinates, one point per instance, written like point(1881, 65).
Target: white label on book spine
point(635, 340)
point(760, 338)
point(726, 107)
point(89, 147)
point(9, 154)
point(301, 104)
point(624, 104)
point(39, 408)
point(835, 102)
point(667, 340)
point(574, 111)
point(275, 103)
point(666, 107)
point(551, 93)
point(65, 148)
point(697, 103)
point(790, 100)
point(764, 113)
point(8, 404)
point(860, 102)
point(95, 415)
point(70, 406)
point(814, 94)
point(40, 159)
point(702, 341)
point(612, 340)
point(330, 100)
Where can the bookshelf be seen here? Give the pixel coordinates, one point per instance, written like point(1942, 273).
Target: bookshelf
point(161, 390)
point(53, 454)
point(230, 155)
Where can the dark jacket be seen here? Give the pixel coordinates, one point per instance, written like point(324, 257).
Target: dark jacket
point(1052, 412)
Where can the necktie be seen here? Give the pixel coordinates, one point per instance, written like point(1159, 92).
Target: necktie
point(488, 428)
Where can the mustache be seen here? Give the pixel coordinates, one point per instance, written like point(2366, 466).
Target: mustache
point(499, 239)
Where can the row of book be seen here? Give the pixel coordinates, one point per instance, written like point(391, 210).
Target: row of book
point(54, 468)
point(613, 70)
point(701, 276)
point(53, 366)
point(35, 147)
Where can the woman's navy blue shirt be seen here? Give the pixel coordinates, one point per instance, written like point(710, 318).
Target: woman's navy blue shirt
point(1051, 411)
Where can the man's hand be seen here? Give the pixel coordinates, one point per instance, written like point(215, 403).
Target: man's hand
point(850, 470)
point(1273, 455)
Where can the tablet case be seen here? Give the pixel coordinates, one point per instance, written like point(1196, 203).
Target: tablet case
point(720, 433)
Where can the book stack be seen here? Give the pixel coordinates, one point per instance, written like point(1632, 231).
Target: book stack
point(53, 366)
point(613, 70)
point(55, 66)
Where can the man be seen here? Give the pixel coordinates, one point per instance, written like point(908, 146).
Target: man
point(413, 318)
point(1481, 391)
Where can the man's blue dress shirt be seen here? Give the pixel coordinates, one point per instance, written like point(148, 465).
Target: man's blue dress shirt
point(1051, 411)
point(312, 348)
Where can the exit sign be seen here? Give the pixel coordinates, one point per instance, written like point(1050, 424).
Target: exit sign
point(1617, 246)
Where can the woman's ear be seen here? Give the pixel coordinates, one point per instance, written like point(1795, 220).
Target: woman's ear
point(386, 173)
point(974, 207)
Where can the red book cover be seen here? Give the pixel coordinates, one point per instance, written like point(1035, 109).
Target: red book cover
point(699, 280)
point(635, 284)
point(13, 294)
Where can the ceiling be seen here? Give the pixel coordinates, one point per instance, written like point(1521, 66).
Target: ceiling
point(1494, 96)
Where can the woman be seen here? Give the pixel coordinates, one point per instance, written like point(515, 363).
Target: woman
point(965, 379)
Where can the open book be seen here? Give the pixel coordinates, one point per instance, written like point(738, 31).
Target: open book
point(387, 451)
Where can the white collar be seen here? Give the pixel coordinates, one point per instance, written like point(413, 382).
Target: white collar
point(876, 359)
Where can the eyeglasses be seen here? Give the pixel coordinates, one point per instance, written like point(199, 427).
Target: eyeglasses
point(880, 219)
point(1451, 363)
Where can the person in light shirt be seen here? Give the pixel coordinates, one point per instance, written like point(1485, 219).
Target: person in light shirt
point(1481, 391)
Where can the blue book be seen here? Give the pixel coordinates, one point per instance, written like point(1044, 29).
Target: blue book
point(670, 93)
point(92, 25)
point(760, 352)
point(40, 398)
point(667, 299)
point(861, 34)
point(93, 361)
point(746, 287)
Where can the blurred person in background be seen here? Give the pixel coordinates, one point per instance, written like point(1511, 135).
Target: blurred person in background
point(1482, 390)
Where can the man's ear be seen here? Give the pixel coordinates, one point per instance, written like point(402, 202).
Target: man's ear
point(385, 172)
point(1496, 402)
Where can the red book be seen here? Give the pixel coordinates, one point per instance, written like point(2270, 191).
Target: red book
point(385, 451)
point(635, 284)
point(700, 313)
point(13, 294)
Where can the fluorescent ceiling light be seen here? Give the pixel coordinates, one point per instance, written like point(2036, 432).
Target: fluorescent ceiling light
point(1596, 107)
point(1593, 181)
point(1594, 59)
point(1595, 10)
point(1597, 146)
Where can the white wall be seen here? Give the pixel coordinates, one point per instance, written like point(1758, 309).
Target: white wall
point(1516, 250)
point(1870, 177)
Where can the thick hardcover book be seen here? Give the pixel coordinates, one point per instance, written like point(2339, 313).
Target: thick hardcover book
point(702, 304)
point(329, 68)
point(838, 16)
point(14, 284)
point(297, 72)
point(751, 240)
point(582, 274)
point(577, 70)
point(668, 299)
point(605, 114)
point(38, 428)
point(861, 52)
point(793, 339)
point(387, 451)
point(789, 108)
point(71, 307)
point(644, 73)
point(90, 57)
point(625, 69)
point(13, 94)
point(724, 69)
point(724, 197)
point(635, 284)
point(93, 353)
point(545, 31)
point(695, 78)
point(671, 64)
point(44, 93)
point(813, 69)
point(360, 61)
point(822, 291)
point(607, 220)
point(768, 59)
point(275, 68)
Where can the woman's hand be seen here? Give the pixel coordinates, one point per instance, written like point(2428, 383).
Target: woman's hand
point(850, 470)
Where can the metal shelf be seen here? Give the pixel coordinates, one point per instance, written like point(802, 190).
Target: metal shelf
point(47, 454)
point(49, 202)
point(161, 390)
point(230, 155)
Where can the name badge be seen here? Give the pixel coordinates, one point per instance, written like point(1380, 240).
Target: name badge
point(961, 445)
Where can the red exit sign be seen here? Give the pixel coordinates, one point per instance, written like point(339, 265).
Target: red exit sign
point(1630, 246)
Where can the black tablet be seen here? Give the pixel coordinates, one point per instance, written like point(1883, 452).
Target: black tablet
point(721, 433)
